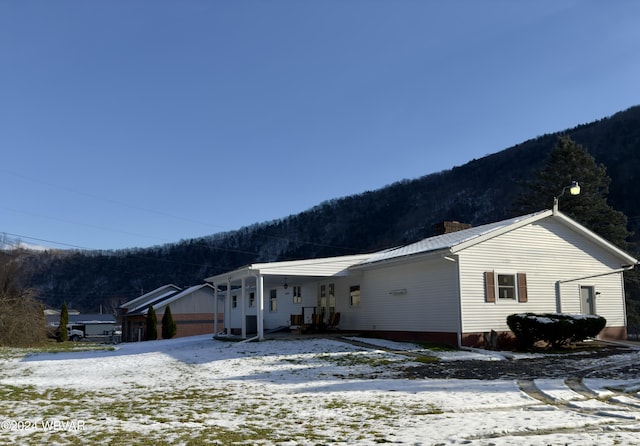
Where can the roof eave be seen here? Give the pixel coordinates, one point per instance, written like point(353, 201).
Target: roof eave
point(627, 259)
point(288, 268)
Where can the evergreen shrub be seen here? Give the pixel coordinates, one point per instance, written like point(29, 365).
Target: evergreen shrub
point(169, 327)
point(555, 329)
point(152, 325)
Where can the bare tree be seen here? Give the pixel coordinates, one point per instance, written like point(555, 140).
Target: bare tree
point(22, 321)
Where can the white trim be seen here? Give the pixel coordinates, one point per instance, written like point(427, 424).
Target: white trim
point(496, 275)
point(630, 261)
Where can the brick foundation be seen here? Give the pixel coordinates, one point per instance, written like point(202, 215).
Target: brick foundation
point(613, 334)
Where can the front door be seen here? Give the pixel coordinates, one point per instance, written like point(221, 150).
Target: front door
point(587, 302)
point(327, 300)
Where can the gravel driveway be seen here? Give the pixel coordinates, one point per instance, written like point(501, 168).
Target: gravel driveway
point(609, 362)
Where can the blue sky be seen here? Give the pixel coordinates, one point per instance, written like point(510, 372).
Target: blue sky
point(142, 122)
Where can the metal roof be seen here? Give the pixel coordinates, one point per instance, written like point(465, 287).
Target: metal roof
point(451, 240)
point(323, 267)
point(446, 243)
point(150, 296)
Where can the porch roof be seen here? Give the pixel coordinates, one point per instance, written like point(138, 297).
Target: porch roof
point(323, 267)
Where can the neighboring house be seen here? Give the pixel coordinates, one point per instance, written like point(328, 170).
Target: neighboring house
point(454, 288)
point(192, 310)
point(95, 326)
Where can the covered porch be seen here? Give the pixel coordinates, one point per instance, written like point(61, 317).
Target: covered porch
point(267, 297)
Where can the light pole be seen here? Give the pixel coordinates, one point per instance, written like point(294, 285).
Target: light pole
point(574, 189)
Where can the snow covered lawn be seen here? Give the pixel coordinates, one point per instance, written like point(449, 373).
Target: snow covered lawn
point(290, 392)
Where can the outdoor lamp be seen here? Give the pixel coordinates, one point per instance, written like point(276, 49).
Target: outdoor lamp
point(574, 189)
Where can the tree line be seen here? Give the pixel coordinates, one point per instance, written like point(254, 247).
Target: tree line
point(603, 156)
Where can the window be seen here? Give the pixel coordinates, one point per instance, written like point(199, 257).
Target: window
point(273, 300)
point(323, 296)
point(505, 286)
point(252, 300)
point(327, 298)
point(354, 295)
point(297, 295)
point(332, 295)
point(234, 301)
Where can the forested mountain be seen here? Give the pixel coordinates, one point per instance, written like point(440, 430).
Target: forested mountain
point(481, 191)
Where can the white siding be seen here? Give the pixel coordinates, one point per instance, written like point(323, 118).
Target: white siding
point(429, 305)
point(200, 301)
point(236, 313)
point(547, 252)
point(284, 309)
point(285, 305)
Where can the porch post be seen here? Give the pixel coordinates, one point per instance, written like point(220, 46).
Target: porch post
point(215, 310)
point(260, 294)
point(227, 308)
point(242, 309)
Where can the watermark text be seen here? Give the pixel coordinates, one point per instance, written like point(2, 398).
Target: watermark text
point(46, 425)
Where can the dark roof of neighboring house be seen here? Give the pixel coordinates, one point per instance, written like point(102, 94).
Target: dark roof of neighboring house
point(142, 306)
point(143, 300)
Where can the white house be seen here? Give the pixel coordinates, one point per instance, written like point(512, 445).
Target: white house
point(452, 288)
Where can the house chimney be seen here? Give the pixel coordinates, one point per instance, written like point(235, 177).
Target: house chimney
point(447, 227)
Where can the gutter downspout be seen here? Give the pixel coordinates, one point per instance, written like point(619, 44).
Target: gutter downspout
point(615, 271)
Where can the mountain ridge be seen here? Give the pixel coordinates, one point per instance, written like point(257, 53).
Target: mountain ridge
point(480, 191)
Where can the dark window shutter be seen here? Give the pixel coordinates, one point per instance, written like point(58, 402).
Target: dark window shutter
point(489, 287)
point(522, 287)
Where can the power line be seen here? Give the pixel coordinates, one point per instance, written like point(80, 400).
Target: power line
point(46, 241)
point(161, 213)
point(130, 253)
point(111, 200)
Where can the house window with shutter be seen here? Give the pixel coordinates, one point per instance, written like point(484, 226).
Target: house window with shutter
point(505, 287)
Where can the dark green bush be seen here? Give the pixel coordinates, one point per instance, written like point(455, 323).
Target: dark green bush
point(169, 327)
point(152, 325)
point(555, 329)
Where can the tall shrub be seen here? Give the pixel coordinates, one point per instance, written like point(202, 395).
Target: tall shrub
point(64, 321)
point(169, 328)
point(152, 325)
